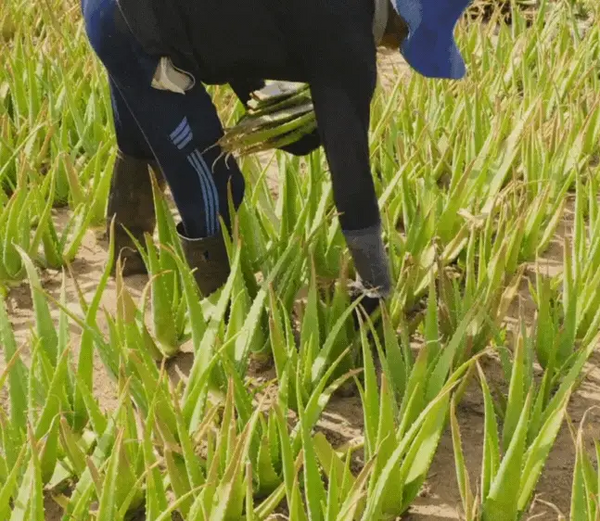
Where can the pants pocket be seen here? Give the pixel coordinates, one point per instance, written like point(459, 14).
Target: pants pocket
point(170, 78)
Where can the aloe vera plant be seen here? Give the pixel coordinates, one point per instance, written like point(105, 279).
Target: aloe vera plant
point(277, 115)
point(585, 492)
point(512, 460)
point(476, 181)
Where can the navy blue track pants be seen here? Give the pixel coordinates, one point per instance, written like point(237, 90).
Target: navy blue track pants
point(178, 131)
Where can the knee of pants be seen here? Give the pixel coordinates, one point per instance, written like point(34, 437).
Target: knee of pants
point(133, 148)
point(130, 139)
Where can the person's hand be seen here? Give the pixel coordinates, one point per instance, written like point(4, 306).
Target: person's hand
point(305, 145)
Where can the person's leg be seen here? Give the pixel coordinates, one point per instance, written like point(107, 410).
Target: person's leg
point(130, 139)
point(180, 131)
point(130, 201)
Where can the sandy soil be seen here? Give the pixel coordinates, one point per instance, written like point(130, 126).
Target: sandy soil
point(343, 419)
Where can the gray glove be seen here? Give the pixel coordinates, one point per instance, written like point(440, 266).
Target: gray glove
point(371, 262)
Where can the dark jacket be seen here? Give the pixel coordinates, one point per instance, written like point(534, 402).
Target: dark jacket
point(326, 43)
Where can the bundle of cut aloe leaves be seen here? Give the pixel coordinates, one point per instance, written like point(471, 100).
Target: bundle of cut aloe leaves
point(278, 114)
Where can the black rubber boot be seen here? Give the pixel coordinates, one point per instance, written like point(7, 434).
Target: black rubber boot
point(208, 257)
point(131, 203)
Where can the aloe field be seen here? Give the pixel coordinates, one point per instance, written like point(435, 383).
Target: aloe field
point(473, 394)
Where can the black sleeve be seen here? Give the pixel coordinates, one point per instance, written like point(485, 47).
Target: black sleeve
point(343, 115)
